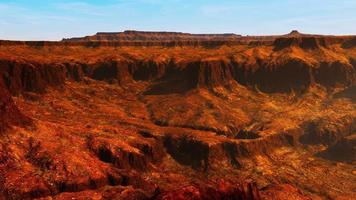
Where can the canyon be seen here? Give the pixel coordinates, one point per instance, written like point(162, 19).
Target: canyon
point(164, 115)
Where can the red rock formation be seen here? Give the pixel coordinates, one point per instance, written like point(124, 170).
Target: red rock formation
point(280, 75)
point(9, 113)
point(349, 43)
point(221, 190)
point(302, 42)
point(329, 130)
point(283, 191)
point(31, 76)
point(335, 73)
point(179, 108)
point(153, 36)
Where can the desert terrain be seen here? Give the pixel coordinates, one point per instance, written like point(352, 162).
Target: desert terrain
point(160, 115)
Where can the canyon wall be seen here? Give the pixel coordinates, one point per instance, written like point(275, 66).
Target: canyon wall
point(117, 113)
point(9, 113)
point(268, 76)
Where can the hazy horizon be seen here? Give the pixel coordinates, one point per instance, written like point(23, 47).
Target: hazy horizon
point(54, 20)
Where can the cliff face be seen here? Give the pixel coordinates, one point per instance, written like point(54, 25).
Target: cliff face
point(271, 63)
point(9, 113)
point(267, 75)
point(31, 76)
point(310, 42)
point(128, 115)
point(349, 43)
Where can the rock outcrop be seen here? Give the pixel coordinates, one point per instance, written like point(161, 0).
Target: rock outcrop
point(131, 35)
point(302, 42)
point(284, 191)
point(172, 76)
point(329, 130)
point(9, 113)
point(31, 76)
point(220, 190)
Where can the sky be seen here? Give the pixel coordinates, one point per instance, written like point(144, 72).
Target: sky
point(54, 19)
